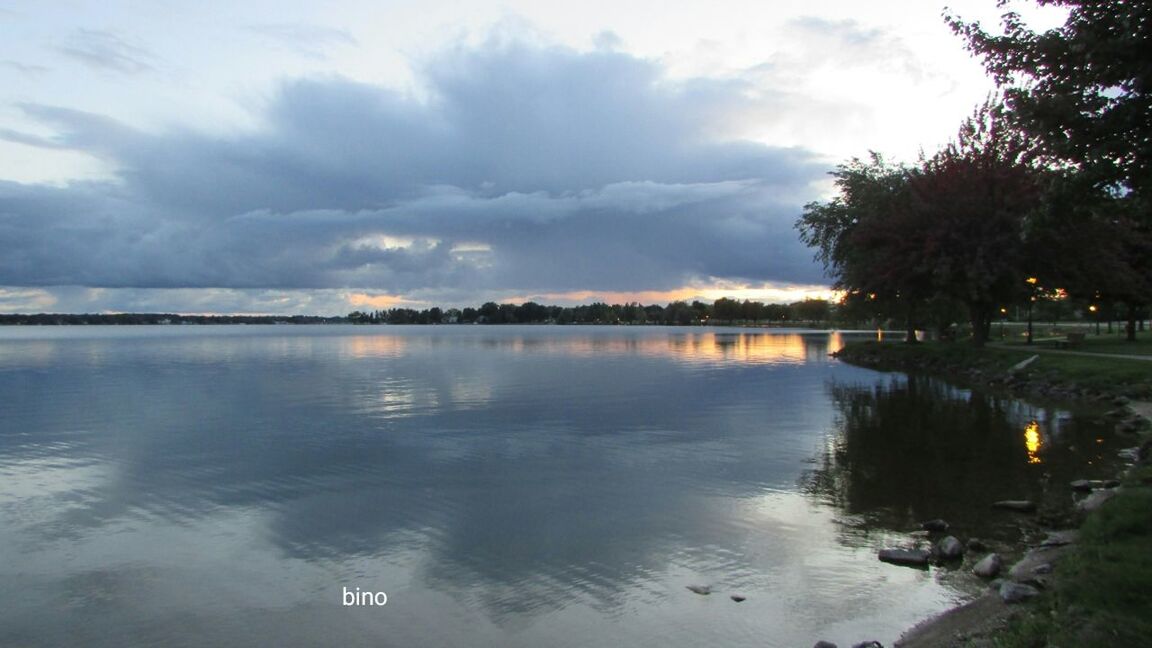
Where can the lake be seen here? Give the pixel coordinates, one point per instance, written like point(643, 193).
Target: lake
point(503, 486)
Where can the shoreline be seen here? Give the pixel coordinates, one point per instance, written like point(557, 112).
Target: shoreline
point(978, 622)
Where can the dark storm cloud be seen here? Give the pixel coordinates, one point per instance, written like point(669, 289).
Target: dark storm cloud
point(525, 168)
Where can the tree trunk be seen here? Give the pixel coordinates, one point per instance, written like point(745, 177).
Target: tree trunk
point(980, 317)
point(910, 323)
point(1131, 322)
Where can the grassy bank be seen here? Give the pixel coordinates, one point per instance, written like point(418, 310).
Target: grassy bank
point(1050, 374)
point(1102, 594)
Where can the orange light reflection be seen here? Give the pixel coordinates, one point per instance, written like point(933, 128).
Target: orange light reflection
point(1032, 442)
point(694, 347)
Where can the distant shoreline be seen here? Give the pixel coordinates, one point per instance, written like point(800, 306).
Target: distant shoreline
point(162, 319)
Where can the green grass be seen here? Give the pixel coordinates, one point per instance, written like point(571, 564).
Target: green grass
point(1103, 592)
point(1104, 374)
point(1103, 343)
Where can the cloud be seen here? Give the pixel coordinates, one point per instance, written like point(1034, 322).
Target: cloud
point(25, 68)
point(527, 168)
point(311, 41)
point(108, 52)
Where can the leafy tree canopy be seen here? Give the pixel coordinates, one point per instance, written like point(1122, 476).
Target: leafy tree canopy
point(1084, 89)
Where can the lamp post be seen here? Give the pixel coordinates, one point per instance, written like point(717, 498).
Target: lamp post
point(1003, 318)
point(1096, 311)
point(1031, 298)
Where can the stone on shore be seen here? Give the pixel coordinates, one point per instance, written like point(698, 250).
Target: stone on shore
point(989, 566)
point(1022, 506)
point(1017, 592)
point(738, 598)
point(824, 644)
point(976, 544)
point(907, 557)
point(703, 590)
point(934, 525)
point(1094, 501)
point(1089, 485)
point(950, 548)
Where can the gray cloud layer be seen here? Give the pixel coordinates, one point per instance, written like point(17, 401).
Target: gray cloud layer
point(526, 168)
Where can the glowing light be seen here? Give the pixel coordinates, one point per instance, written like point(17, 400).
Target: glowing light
point(1032, 442)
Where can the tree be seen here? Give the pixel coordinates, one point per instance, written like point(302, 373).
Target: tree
point(1083, 89)
point(974, 200)
point(1084, 92)
point(726, 309)
point(955, 225)
point(812, 310)
point(866, 239)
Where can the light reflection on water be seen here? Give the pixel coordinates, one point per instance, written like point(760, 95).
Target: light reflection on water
point(505, 485)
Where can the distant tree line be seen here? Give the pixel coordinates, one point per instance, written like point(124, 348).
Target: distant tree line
point(722, 311)
point(62, 319)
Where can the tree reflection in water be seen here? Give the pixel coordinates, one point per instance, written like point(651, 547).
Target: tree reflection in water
point(914, 448)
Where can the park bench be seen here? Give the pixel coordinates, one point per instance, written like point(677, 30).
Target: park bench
point(1070, 340)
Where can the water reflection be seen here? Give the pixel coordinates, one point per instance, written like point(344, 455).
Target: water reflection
point(515, 486)
point(695, 346)
point(1032, 441)
point(913, 449)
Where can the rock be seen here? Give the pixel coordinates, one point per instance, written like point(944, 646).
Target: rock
point(824, 644)
point(1016, 592)
point(1022, 506)
point(1119, 413)
point(1094, 501)
point(868, 644)
point(1120, 401)
point(703, 590)
point(989, 566)
point(907, 557)
point(934, 525)
point(1061, 538)
point(976, 544)
point(950, 548)
point(1089, 485)
point(738, 598)
point(1144, 453)
point(1046, 568)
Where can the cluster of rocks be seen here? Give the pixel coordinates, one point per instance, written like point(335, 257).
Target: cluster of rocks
point(865, 644)
point(1023, 581)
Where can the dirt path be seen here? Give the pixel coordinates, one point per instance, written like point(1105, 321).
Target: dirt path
point(1089, 354)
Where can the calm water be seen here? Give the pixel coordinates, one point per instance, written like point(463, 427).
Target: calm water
point(505, 486)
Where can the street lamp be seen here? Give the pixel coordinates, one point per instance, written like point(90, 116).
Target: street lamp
point(1003, 317)
point(1093, 309)
point(1031, 298)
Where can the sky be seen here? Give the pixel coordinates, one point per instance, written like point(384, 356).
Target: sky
point(287, 157)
